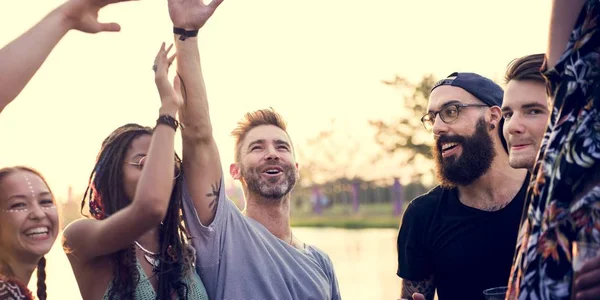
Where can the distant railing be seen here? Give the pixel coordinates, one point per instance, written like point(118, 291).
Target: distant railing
point(358, 193)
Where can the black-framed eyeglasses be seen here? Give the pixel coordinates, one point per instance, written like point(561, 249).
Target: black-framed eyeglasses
point(448, 114)
point(142, 161)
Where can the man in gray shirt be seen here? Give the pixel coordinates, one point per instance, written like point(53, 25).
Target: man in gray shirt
point(254, 255)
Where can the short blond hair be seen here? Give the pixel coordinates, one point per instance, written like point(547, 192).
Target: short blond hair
point(252, 120)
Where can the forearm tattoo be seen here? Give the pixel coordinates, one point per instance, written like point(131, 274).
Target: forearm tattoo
point(214, 195)
point(425, 287)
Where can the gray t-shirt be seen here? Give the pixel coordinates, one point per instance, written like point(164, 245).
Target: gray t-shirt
point(238, 258)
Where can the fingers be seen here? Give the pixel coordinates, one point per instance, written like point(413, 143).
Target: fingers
point(589, 294)
point(587, 280)
point(161, 50)
point(162, 62)
point(161, 56)
point(172, 58)
point(214, 4)
point(117, 1)
point(162, 53)
point(110, 27)
point(417, 296)
point(592, 264)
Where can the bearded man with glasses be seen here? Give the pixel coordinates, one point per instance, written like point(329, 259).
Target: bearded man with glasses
point(459, 238)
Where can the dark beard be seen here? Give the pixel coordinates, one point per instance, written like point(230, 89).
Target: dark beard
point(476, 158)
point(268, 189)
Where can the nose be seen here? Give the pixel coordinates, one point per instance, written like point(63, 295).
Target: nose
point(36, 213)
point(514, 125)
point(439, 127)
point(272, 153)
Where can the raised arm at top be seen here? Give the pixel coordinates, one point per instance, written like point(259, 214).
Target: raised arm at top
point(201, 161)
point(21, 58)
point(562, 20)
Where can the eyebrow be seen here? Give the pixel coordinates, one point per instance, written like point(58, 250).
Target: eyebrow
point(19, 196)
point(534, 105)
point(282, 142)
point(527, 106)
point(262, 141)
point(451, 102)
point(139, 155)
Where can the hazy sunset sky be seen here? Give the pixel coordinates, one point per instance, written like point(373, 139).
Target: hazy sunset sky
point(312, 61)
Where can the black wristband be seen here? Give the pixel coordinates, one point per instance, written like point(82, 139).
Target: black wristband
point(167, 120)
point(184, 34)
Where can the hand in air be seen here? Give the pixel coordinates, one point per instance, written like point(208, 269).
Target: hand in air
point(169, 96)
point(191, 14)
point(82, 15)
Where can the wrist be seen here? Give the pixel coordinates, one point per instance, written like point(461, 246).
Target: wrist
point(182, 33)
point(61, 17)
point(168, 109)
point(168, 121)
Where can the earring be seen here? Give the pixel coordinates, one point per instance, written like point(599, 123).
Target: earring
point(492, 126)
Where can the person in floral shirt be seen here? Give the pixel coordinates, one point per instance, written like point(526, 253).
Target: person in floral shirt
point(565, 193)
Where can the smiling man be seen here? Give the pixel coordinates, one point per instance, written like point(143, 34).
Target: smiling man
point(459, 238)
point(525, 110)
point(252, 254)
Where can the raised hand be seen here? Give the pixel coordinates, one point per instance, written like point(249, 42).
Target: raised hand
point(191, 14)
point(169, 96)
point(82, 15)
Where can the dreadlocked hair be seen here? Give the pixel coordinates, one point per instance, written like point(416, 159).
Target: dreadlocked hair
point(41, 279)
point(41, 267)
point(106, 189)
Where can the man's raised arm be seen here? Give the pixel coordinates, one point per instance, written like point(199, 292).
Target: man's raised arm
point(201, 161)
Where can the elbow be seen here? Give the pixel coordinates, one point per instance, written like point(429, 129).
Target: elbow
point(153, 209)
point(196, 134)
point(156, 213)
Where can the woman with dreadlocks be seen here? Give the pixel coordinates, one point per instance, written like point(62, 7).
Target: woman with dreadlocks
point(134, 246)
point(28, 228)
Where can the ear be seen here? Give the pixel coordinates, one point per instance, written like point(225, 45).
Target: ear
point(495, 114)
point(297, 172)
point(235, 171)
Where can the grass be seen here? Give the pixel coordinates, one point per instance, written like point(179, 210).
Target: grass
point(342, 216)
point(348, 222)
point(378, 215)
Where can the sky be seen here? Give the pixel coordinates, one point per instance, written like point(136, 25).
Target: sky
point(312, 61)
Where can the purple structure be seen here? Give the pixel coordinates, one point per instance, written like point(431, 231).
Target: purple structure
point(355, 193)
point(398, 197)
point(317, 209)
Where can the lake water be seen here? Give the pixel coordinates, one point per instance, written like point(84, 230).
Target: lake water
point(364, 260)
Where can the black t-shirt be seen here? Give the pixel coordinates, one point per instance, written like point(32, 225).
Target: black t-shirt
point(466, 250)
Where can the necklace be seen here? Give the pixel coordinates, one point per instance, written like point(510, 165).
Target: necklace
point(292, 241)
point(151, 257)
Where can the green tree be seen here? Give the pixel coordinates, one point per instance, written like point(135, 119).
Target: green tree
point(405, 136)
